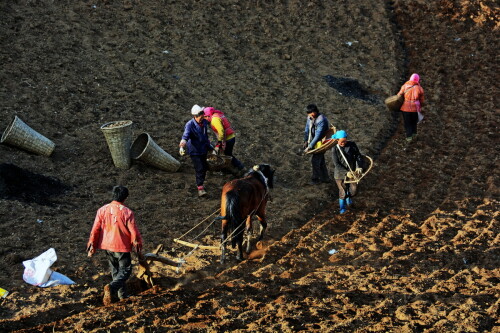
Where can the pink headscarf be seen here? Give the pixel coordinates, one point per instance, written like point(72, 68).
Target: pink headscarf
point(209, 112)
point(415, 77)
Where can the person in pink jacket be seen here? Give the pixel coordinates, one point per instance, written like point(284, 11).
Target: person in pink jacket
point(414, 98)
point(226, 137)
point(116, 232)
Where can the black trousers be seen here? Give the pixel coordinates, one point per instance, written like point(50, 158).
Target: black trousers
point(319, 170)
point(121, 268)
point(229, 152)
point(410, 121)
point(200, 167)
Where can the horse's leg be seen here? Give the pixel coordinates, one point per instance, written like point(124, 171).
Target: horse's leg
point(239, 256)
point(223, 241)
point(248, 233)
point(263, 226)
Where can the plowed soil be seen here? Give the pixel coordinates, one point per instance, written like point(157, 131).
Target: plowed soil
point(420, 250)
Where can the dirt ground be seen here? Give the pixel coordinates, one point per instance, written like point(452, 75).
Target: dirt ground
point(419, 252)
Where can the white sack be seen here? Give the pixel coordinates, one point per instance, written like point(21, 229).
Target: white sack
point(38, 273)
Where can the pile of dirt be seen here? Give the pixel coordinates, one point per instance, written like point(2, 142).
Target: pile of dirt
point(419, 250)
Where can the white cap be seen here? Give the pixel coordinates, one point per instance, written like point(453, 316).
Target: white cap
point(196, 109)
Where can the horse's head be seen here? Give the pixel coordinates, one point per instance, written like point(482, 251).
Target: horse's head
point(267, 171)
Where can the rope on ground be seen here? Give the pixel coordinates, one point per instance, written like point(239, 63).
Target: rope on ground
point(196, 226)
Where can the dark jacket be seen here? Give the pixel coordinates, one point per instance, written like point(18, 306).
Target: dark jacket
point(315, 130)
point(197, 137)
point(353, 156)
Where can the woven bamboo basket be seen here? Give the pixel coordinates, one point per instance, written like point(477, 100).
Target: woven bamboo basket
point(118, 135)
point(147, 151)
point(395, 102)
point(218, 162)
point(326, 143)
point(22, 136)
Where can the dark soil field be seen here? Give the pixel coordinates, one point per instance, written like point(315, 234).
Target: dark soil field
point(420, 250)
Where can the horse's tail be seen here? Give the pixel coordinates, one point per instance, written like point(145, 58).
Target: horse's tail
point(233, 216)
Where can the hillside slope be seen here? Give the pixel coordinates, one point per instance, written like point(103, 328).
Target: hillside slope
point(420, 251)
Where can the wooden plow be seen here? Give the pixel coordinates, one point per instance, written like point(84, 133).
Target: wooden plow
point(195, 246)
point(145, 261)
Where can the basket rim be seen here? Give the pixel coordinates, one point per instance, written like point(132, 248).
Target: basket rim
point(9, 128)
point(103, 127)
point(143, 149)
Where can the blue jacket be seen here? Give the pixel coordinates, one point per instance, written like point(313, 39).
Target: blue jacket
point(318, 130)
point(197, 137)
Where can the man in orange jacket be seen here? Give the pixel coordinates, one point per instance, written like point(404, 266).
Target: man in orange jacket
point(116, 232)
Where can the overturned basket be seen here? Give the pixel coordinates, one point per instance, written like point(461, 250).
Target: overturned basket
point(22, 136)
point(148, 151)
point(218, 162)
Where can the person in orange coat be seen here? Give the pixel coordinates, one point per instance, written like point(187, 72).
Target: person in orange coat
point(116, 232)
point(412, 107)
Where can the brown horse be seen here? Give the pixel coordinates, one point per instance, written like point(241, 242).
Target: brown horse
point(241, 199)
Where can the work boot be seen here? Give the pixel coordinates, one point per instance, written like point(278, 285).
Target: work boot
point(110, 296)
point(343, 207)
point(348, 201)
point(201, 191)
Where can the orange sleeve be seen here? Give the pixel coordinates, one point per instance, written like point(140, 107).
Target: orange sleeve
point(96, 232)
point(135, 235)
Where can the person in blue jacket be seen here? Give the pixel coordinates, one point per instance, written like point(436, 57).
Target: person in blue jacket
point(195, 138)
point(316, 127)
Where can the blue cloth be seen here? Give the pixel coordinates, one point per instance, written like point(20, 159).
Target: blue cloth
point(197, 137)
point(340, 135)
point(318, 129)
